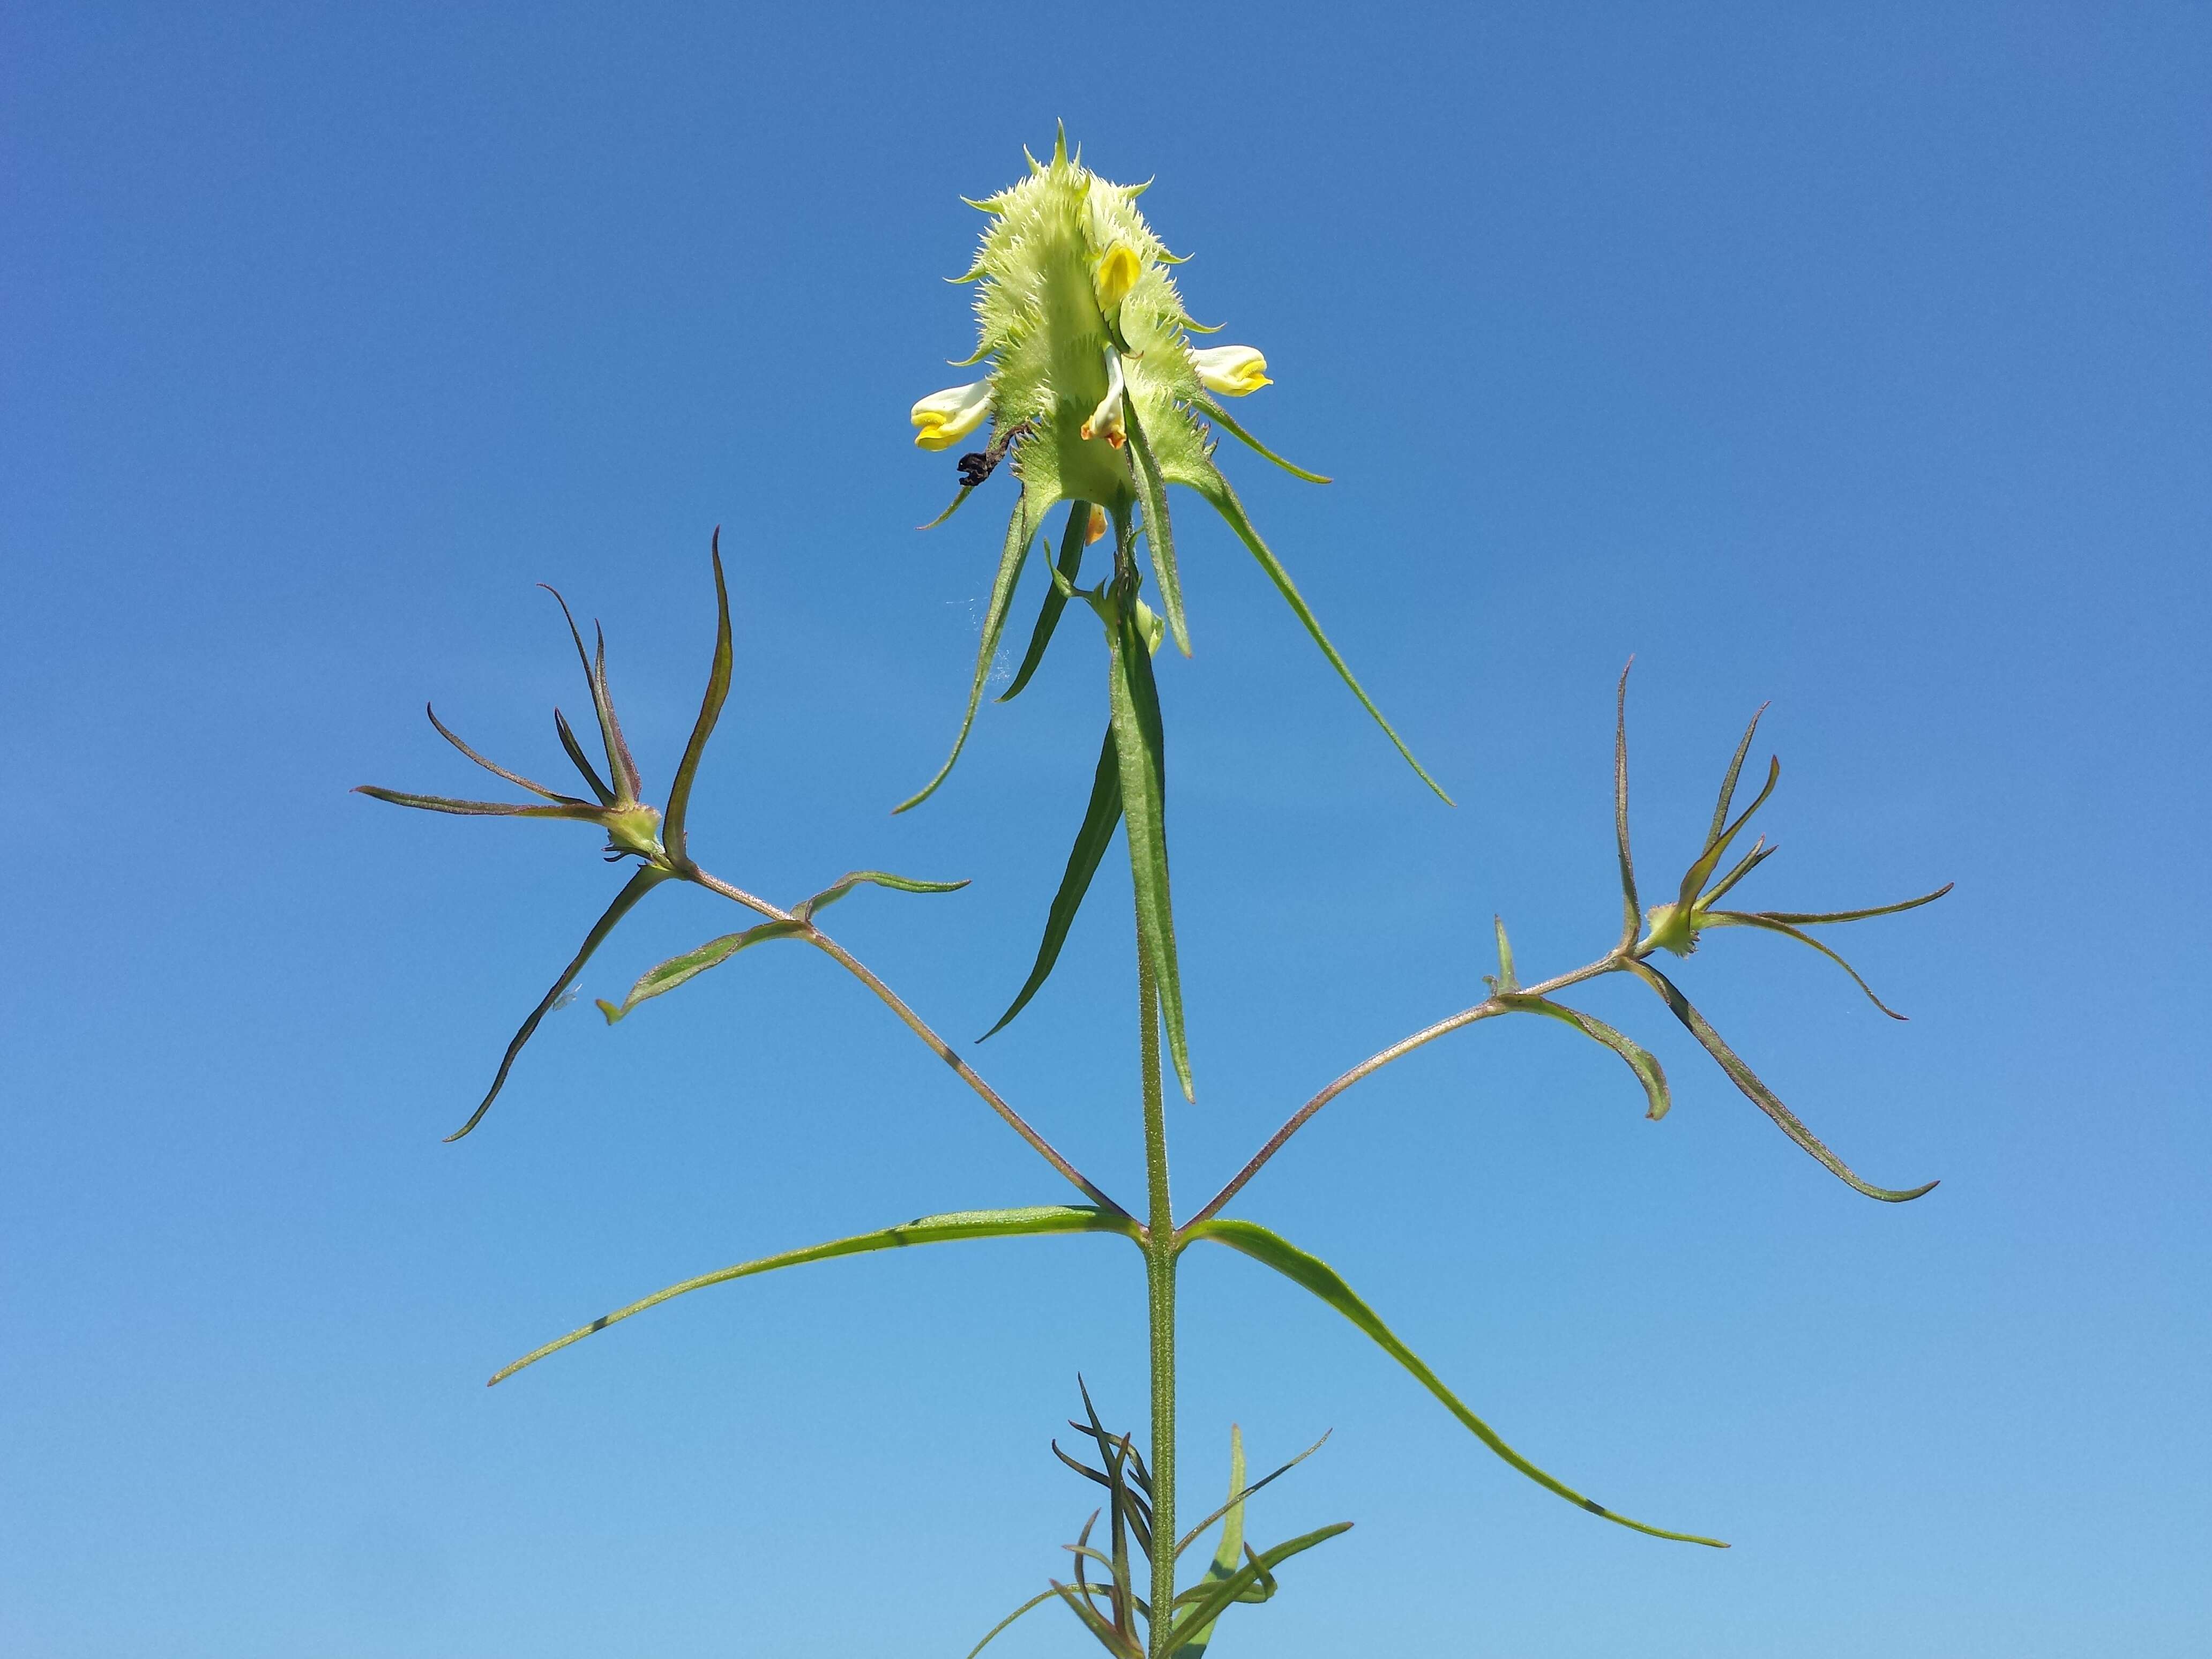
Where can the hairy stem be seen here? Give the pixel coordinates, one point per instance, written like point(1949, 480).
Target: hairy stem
point(1375, 1063)
point(914, 1022)
point(1160, 1245)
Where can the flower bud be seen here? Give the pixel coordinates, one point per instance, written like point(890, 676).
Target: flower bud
point(946, 418)
point(1106, 420)
point(634, 829)
point(1235, 371)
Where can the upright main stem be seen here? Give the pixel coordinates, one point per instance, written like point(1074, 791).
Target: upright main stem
point(1160, 1288)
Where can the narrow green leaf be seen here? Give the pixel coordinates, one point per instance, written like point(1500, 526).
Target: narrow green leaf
point(495, 766)
point(1198, 1620)
point(1632, 921)
point(1214, 412)
point(665, 977)
point(1100, 818)
point(1316, 1275)
point(1693, 879)
point(1036, 1600)
point(846, 883)
point(646, 878)
point(1769, 924)
point(710, 710)
point(1152, 495)
point(1073, 538)
point(966, 490)
point(582, 761)
point(1761, 852)
point(628, 786)
point(1140, 750)
point(1110, 1639)
point(1728, 783)
point(1757, 1092)
point(928, 1229)
point(602, 705)
point(1223, 499)
point(1021, 529)
point(1640, 1060)
point(1801, 919)
point(480, 809)
point(1237, 1495)
point(1507, 981)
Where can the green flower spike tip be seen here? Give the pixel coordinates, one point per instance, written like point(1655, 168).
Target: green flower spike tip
point(1095, 396)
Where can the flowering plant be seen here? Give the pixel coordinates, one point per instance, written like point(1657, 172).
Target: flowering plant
point(1096, 398)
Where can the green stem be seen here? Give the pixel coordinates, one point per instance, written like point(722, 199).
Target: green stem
point(1160, 1246)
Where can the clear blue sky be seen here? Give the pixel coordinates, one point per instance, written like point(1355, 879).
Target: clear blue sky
point(1854, 358)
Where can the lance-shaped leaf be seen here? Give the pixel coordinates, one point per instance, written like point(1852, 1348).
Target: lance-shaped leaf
point(1695, 877)
point(581, 761)
point(1230, 1554)
point(1756, 1091)
point(1767, 923)
point(1505, 982)
point(1140, 749)
point(1633, 921)
point(1215, 489)
point(1036, 1600)
point(1196, 1623)
point(494, 768)
point(1238, 1492)
point(1640, 1060)
point(482, 808)
point(1021, 529)
point(928, 1229)
point(1072, 540)
point(1100, 818)
point(845, 883)
point(1152, 495)
point(621, 768)
point(1736, 768)
point(1317, 1276)
point(1820, 918)
point(966, 490)
point(664, 977)
point(646, 878)
point(710, 710)
point(1123, 1647)
point(1221, 418)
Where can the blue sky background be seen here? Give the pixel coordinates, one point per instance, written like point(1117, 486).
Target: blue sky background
point(1853, 358)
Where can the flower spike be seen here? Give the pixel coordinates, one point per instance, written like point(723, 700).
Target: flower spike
point(1090, 361)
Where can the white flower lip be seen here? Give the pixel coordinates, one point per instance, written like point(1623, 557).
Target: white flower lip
point(947, 416)
point(1106, 421)
point(1235, 371)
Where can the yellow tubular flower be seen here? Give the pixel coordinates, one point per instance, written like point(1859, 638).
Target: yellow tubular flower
point(946, 418)
point(1234, 371)
point(1117, 273)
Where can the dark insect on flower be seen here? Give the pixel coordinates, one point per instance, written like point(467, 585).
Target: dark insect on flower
point(981, 464)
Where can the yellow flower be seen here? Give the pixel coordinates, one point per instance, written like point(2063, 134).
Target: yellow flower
point(1117, 273)
point(946, 418)
point(1234, 371)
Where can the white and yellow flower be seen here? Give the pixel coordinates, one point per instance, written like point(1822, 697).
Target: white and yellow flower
point(1234, 371)
point(946, 418)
